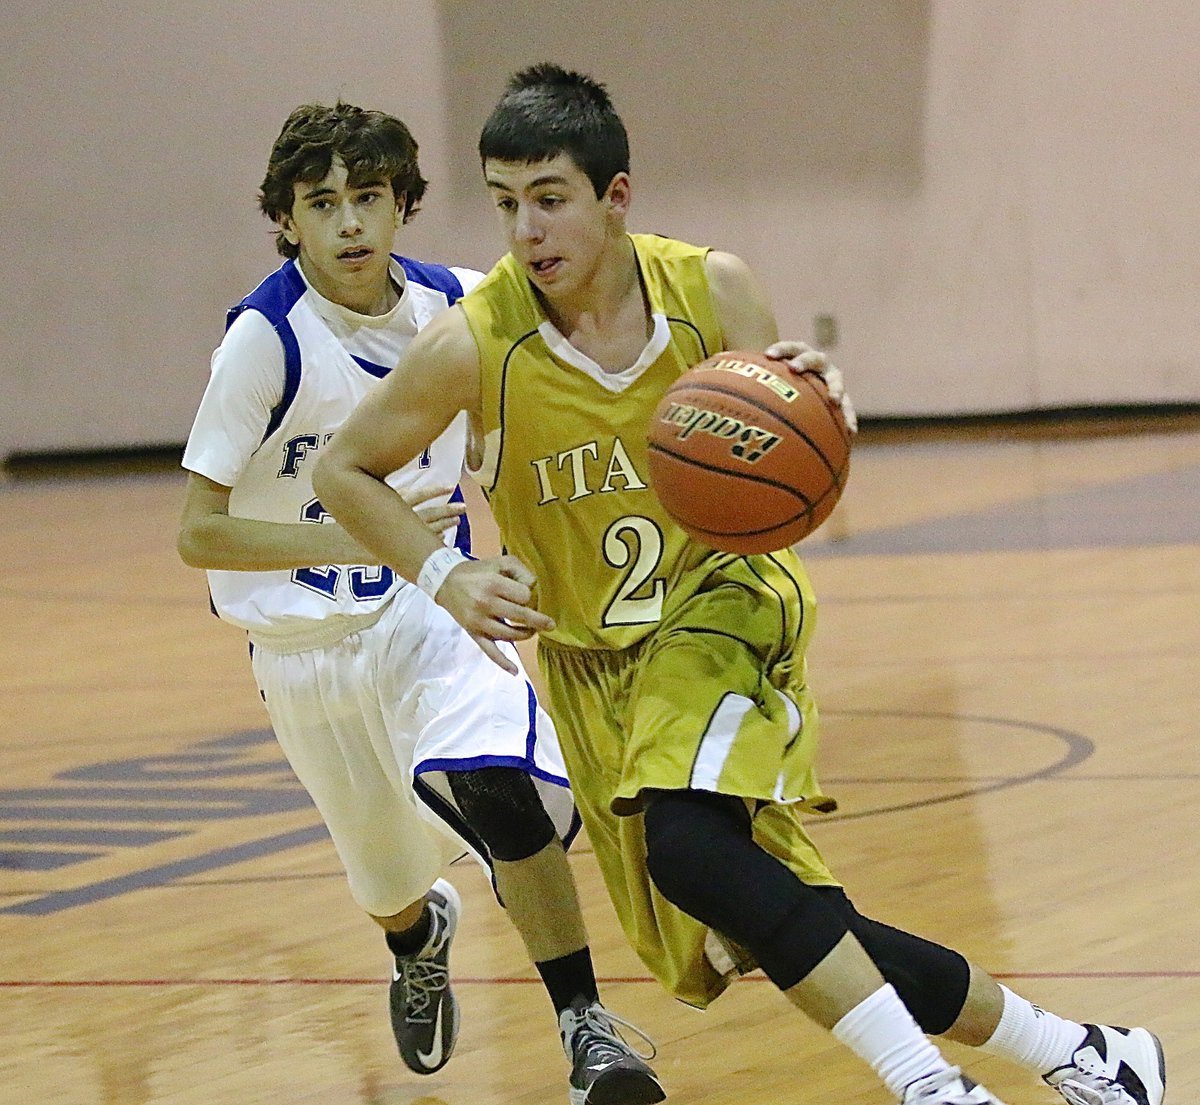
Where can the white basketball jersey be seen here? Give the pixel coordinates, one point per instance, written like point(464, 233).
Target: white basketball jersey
point(262, 437)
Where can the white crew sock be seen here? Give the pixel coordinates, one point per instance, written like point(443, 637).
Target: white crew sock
point(881, 1031)
point(1028, 1035)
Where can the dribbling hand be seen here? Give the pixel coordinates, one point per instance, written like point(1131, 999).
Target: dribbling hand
point(803, 358)
point(492, 600)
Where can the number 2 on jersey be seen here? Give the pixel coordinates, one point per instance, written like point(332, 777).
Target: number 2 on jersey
point(636, 544)
point(365, 583)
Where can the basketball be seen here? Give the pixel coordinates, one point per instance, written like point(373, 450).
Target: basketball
point(746, 455)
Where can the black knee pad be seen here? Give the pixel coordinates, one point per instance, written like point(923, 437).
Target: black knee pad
point(703, 859)
point(930, 979)
point(681, 830)
point(503, 807)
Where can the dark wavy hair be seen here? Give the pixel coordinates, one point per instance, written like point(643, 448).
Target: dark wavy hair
point(547, 110)
point(372, 144)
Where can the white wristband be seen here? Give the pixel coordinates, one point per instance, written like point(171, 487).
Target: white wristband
point(438, 565)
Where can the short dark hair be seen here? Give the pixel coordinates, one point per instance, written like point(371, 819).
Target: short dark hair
point(547, 110)
point(372, 144)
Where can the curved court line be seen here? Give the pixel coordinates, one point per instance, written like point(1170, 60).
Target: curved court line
point(1078, 749)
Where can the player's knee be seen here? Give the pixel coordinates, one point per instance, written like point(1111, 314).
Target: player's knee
point(684, 856)
point(931, 980)
point(502, 806)
point(670, 859)
point(701, 855)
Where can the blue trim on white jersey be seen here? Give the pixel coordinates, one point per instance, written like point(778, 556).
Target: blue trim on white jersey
point(474, 763)
point(573, 831)
point(526, 764)
point(377, 370)
point(531, 734)
point(449, 813)
point(437, 277)
point(274, 299)
point(462, 532)
point(291, 377)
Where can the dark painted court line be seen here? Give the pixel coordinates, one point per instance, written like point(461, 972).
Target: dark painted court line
point(167, 872)
point(1074, 749)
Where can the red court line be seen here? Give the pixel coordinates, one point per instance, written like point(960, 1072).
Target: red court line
point(15, 984)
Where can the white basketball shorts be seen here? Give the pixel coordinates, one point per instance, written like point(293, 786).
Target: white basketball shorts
point(370, 725)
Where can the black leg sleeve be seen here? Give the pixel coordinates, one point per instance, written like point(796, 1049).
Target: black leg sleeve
point(702, 858)
point(930, 979)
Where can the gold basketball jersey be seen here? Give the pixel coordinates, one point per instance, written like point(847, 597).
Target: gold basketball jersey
point(564, 464)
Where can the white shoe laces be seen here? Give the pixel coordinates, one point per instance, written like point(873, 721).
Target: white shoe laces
point(421, 979)
point(1098, 1090)
point(933, 1086)
point(599, 1024)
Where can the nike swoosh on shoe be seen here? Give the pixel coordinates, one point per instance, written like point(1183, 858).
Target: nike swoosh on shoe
point(434, 1056)
point(600, 1068)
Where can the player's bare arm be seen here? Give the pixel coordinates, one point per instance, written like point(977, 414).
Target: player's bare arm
point(437, 377)
point(748, 322)
point(210, 538)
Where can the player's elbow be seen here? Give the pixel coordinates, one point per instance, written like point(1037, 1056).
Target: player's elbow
point(324, 483)
point(330, 475)
point(189, 548)
point(194, 543)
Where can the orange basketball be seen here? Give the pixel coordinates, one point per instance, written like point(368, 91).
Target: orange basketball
point(746, 455)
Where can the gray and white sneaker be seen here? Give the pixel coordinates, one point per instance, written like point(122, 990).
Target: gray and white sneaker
point(605, 1070)
point(947, 1087)
point(423, 1007)
point(1113, 1066)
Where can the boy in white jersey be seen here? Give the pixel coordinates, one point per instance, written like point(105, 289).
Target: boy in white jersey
point(413, 745)
point(689, 714)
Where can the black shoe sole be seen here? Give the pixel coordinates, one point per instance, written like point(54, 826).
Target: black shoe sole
point(625, 1087)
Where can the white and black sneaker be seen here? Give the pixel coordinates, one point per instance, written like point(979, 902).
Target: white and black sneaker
point(605, 1070)
point(947, 1087)
point(1113, 1066)
point(424, 1010)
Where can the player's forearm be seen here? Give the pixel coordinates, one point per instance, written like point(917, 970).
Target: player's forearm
point(373, 514)
point(221, 542)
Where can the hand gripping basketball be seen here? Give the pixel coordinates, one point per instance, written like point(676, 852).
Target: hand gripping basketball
point(801, 358)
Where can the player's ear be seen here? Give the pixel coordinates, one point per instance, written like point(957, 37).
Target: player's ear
point(618, 195)
point(401, 207)
point(288, 229)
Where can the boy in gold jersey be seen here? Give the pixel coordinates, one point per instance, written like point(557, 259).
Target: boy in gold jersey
point(676, 675)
